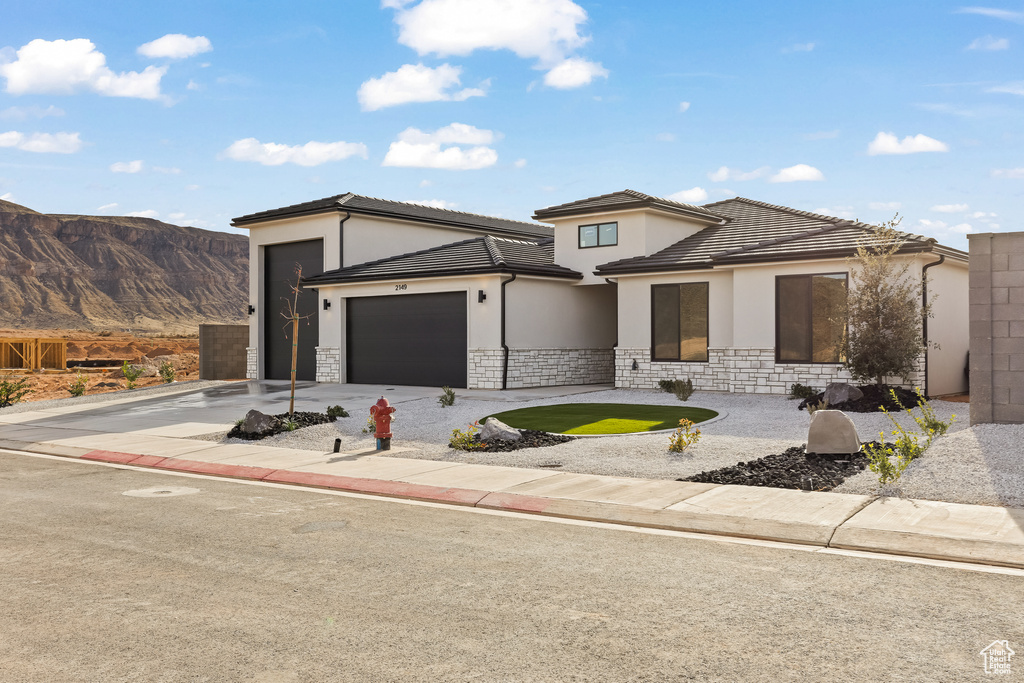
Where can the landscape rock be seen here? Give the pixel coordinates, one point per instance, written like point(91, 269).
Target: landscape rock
point(791, 469)
point(496, 430)
point(832, 431)
point(258, 423)
point(840, 392)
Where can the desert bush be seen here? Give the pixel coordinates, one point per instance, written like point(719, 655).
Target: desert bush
point(167, 372)
point(890, 461)
point(334, 412)
point(684, 437)
point(447, 398)
point(13, 390)
point(131, 373)
point(77, 388)
point(800, 391)
point(682, 388)
point(463, 440)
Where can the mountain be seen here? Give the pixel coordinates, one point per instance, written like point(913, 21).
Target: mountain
point(117, 272)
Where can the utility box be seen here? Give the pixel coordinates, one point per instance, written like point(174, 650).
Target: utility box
point(222, 351)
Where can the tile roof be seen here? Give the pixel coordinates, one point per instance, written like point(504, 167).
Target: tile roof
point(622, 200)
point(478, 255)
point(757, 232)
point(359, 204)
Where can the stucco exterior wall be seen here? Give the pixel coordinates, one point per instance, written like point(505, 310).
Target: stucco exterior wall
point(634, 306)
point(948, 289)
point(557, 314)
point(997, 327)
point(368, 238)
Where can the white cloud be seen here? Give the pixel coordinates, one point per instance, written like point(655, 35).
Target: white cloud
point(725, 173)
point(837, 212)
point(962, 228)
point(545, 30)
point(884, 206)
point(520, 163)
point(989, 43)
point(148, 213)
point(175, 46)
point(414, 83)
point(32, 112)
point(691, 196)
point(950, 208)
point(665, 137)
point(192, 85)
point(67, 66)
point(798, 173)
point(7, 196)
point(108, 207)
point(169, 170)
point(888, 143)
point(1005, 15)
point(426, 183)
point(1008, 172)
point(574, 72)
point(984, 217)
point(822, 135)
point(191, 188)
point(177, 216)
point(45, 143)
point(1014, 88)
point(310, 154)
point(799, 47)
point(417, 149)
point(433, 203)
point(127, 166)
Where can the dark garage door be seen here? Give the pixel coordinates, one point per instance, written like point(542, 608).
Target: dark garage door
point(279, 275)
point(414, 339)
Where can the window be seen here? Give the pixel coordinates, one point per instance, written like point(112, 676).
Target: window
point(679, 322)
point(809, 318)
point(600, 235)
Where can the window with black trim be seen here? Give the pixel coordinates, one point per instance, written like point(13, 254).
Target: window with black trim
point(679, 322)
point(599, 235)
point(809, 318)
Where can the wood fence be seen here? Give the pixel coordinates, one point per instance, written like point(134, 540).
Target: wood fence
point(33, 354)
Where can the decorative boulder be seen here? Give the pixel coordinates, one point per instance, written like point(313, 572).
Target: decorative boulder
point(257, 422)
point(831, 431)
point(496, 429)
point(839, 392)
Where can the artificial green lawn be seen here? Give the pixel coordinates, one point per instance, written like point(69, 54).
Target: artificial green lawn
point(602, 418)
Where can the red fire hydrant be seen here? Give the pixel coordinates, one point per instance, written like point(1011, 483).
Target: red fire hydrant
point(381, 413)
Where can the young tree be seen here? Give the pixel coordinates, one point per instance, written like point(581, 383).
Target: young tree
point(884, 315)
point(291, 313)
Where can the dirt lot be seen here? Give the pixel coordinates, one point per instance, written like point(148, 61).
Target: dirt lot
point(149, 351)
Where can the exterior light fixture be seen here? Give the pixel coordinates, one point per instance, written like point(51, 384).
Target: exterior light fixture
point(327, 304)
point(636, 366)
point(481, 296)
point(252, 309)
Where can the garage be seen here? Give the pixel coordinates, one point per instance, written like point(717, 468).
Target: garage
point(410, 339)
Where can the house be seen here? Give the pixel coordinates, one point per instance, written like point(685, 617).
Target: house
point(623, 287)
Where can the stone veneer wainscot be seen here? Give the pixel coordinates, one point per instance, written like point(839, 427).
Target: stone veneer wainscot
point(328, 364)
point(540, 367)
point(252, 364)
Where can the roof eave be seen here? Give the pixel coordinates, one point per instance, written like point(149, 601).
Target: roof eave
point(549, 214)
point(417, 275)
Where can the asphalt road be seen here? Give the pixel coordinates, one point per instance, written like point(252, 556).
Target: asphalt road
point(240, 582)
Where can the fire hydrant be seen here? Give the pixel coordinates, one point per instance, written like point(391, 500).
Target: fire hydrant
point(381, 413)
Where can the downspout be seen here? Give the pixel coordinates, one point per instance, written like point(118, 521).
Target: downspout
point(504, 346)
point(341, 239)
point(615, 346)
point(924, 316)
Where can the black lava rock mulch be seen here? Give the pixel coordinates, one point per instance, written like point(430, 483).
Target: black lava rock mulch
point(874, 396)
point(531, 439)
point(792, 469)
point(302, 419)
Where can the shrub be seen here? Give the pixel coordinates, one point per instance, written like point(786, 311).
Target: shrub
point(291, 425)
point(334, 412)
point(800, 391)
point(812, 408)
point(77, 388)
point(463, 440)
point(684, 437)
point(131, 373)
point(880, 461)
point(682, 388)
point(167, 372)
point(447, 398)
point(13, 390)
point(890, 461)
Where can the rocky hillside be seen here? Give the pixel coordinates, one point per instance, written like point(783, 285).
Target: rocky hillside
point(114, 272)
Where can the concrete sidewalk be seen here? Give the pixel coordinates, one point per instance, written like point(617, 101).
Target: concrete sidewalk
point(946, 531)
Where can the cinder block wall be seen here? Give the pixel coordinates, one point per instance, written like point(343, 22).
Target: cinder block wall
point(222, 351)
point(997, 327)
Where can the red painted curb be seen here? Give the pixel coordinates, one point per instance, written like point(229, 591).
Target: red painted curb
point(148, 460)
point(215, 468)
point(111, 456)
point(381, 487)
point(515, 502)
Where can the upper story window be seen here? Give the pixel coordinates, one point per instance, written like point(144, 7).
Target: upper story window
point(599, 235)
point(809, 318)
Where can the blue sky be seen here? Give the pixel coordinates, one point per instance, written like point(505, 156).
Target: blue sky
point(196, 112)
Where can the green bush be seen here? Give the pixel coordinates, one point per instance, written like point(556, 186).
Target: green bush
point(463, 440)
point(682, 388)
point(77, 388)
point(167, 372)
point(889, 462)
point(334, 412)
point(684, 437)
point(13, 390)
point(447, 398)
point(800, 391)
point(131, 373)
